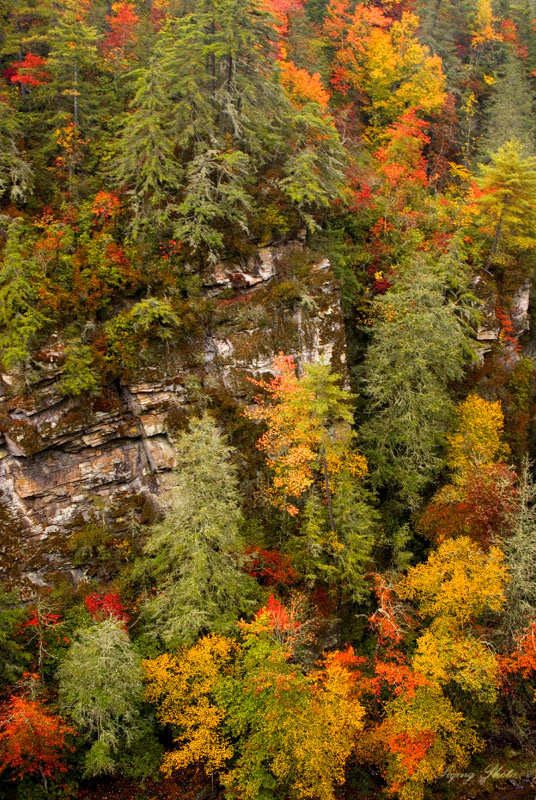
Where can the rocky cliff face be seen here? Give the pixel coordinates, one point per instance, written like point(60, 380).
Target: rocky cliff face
point(62, 458)
point(503, 315)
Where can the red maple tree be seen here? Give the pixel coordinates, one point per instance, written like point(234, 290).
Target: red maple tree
point(32, 739)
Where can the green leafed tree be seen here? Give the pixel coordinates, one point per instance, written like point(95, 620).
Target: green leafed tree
point(337, 559)
point(101, 688)
point(73, 48)
point(16, 177)
point(507, 203)
point(20, 319)
point(419, 345)
point(195, 554)
point(511, 109)
point(12, 656)
point(211, 118)
point(520, 550)
point(146, 164)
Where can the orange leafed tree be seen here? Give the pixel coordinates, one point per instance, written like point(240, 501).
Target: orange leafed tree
point(382, 62)
point(290, 449)
point(301, 86)
point(401, 159)
point(282, 10)
point(118, 44)
point(32, 740)
point(307, 431)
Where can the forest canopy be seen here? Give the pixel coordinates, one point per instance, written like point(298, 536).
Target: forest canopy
point(334, 594)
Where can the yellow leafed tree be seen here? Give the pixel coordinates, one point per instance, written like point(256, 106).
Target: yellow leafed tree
point(478, 439)
point(181, 686)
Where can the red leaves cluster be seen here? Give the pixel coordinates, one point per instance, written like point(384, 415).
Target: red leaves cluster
point(270, 566)
point(482, 507)
point(170, 248)
point(348, 659)
point(32, 740)
point(397, 676)
point(106, 205)
point(29, 71)
point(401, 158)
point(278, 616)
point(37, 619)
point(507, 328)
point(509, 34)
point(288, 626)
point(412, 747)
point(123, 23)
point(281, 10)
point(523, 659)
point(101, 606)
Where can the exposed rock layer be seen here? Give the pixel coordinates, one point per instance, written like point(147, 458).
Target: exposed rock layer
point(62, 458)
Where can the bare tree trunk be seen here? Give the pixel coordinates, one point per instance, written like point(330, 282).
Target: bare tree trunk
point(44, 778)
point(495, 241)
point(328, 492)
point(22, 85)
point(75, 98)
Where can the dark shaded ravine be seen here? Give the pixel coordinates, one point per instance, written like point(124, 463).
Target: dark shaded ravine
point(525, 792)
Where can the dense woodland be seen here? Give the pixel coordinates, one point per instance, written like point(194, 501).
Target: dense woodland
point(348, 608)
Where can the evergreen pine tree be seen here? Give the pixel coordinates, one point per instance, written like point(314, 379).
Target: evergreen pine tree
point(218, 104)
point(100, 686)
point(15, 173)
point(70, 95)
point(327, 405)
point(338, 560)
point(20, 318)
point(146, 164)
point(72, 59)
point(419, 345)
point(511, 110)
point(508, 201)
point(195, 554)
point(520, 551)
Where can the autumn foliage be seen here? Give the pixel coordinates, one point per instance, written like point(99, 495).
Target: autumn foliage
point(33, 740)
point(240, 209)
point(101, 606)
point(183, 689)
point(270, 566)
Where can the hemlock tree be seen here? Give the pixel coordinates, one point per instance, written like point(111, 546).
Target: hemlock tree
point(326, 406)
point(507, 201)
point(101, 688)
point(352, 520)
point(16, 176)
point(146, 161)
point(73, 50)
point(511, 110)
point(195, 553)
point(211, 95)
point(338, 558)
point(19, 318)
point(520, 550)
point(215, 96)
point(419, 345)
